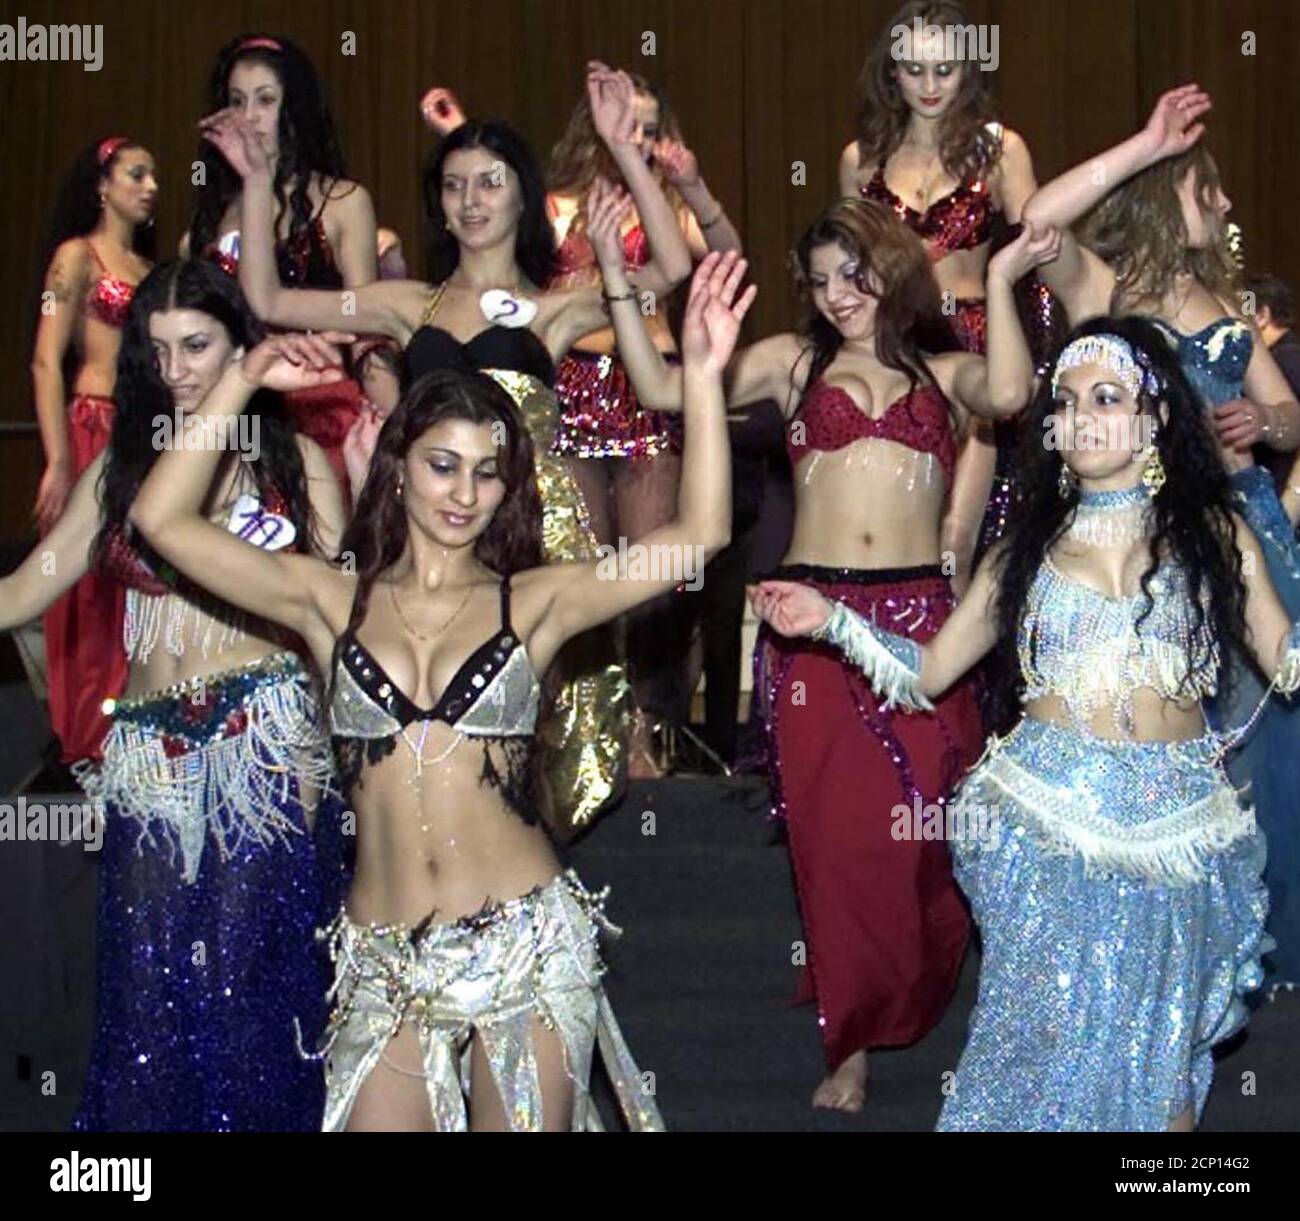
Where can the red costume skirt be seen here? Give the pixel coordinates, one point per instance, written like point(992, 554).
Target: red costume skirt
point(886, 927)
point(84, 658)
point(325, 413)
point(600, 416)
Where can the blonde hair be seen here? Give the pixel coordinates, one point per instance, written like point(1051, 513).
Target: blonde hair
point(1139, 231)
point(580, 154)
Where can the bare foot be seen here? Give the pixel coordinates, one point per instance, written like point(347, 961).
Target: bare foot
point(846, 1088)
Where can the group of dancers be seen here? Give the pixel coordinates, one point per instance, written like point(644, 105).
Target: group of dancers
point(363, 680)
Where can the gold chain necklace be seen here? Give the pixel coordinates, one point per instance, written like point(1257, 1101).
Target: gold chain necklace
point(406, 623)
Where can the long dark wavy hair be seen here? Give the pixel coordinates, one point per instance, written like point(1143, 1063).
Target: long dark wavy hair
point(378, 534)
point(1193, 514)
point(910, 323)
point(534, 241)
point(77, 209)
point(140, 396)
point(967, 148)
point(307, 138)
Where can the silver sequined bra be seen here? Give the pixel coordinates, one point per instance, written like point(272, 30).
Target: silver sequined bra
point(1095, 651)
point(494, 697)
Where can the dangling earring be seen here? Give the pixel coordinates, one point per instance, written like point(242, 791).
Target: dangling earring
point(1066, 482)
point(400, 485)
point(1153, 470)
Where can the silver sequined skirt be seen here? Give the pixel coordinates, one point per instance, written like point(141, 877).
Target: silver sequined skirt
point(491, 976)
point(1118, 892)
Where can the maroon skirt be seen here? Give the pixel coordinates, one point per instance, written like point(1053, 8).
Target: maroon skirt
point(886, 927)
point(85, 662)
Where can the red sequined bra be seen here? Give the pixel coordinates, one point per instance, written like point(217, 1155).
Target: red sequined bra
point(124, 562)
point(109, 297)
point(575, 252)
point(305, 259)
point(831, 420)
point(961, 220)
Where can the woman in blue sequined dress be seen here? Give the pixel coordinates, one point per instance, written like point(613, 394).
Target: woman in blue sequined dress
point(1113, 873)
point(210, 880)
point(1155, 243)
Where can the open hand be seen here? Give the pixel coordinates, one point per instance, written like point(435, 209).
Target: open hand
point(612, 98)
point(608, 206)
point(713, 312)
point(1172, 127)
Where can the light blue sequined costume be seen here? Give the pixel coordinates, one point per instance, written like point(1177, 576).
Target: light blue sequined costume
point(1215, 360)
point(1270, 758)
point(1116, 883)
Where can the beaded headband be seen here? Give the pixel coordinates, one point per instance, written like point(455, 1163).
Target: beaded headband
point(1113, 353)
point(252, 44)
point(107, 147)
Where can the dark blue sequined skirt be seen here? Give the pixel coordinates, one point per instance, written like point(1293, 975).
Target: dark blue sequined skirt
point(199, 983)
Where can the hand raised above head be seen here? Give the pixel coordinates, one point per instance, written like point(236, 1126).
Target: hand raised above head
point(714, 313)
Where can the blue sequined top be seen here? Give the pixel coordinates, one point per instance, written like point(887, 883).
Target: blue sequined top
point(1214, 358)
point(1095, 651)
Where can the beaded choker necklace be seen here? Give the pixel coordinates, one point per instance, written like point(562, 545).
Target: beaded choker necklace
point(1111, 519)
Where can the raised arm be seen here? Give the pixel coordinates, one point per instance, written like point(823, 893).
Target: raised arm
point(65, 285)
point(168, 509)
point(385, 307)
point(612, 99)
point(1078, 277)
point(900, 671)
point(999, 384)
point(60, 559)
point(707, 226)
point(574, 597)
point(1016, 181)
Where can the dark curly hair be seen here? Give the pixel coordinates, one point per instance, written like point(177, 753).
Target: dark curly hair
point(1193, 514)
point(307, 139)
point(140, 396)
point(535, 239)
point(910, 323)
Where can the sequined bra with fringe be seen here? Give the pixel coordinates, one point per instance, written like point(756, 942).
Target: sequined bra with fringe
point(1094, 651)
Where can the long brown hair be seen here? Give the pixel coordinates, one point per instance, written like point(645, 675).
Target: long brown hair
point(580, 154)
point(377, 536)
point(967, 148)
point(1139, 231)
point(910, 322)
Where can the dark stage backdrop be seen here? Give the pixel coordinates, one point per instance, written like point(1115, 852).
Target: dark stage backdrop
point(758, 84)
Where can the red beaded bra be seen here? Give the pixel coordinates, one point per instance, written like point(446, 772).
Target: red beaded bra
point(109, 297)
point(831, 420)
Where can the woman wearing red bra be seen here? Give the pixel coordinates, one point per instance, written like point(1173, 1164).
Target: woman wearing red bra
point(627, 460)
point(325, 223)
point(100, 249)
point(928, 149)
point(876, 408)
